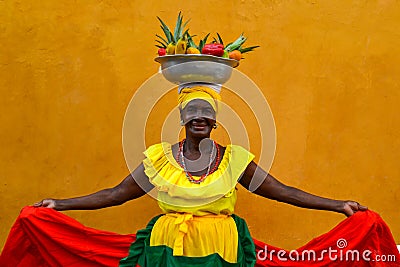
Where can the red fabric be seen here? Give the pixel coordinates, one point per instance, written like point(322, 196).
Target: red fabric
point(43, 237)
point(364, 232)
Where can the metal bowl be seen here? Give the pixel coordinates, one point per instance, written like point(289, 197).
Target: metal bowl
point(180, 69)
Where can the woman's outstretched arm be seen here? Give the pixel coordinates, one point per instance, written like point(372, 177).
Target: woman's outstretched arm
point(271, 188)
point(128, 189)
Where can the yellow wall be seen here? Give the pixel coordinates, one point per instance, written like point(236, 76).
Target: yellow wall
point(329, 69)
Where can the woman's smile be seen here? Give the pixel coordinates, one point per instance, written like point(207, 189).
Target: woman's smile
point(199, 124)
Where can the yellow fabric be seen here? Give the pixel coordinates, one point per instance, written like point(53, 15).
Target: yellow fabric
point(197, 221)
point(197, 236)
point(216, 194)
point(198, 92)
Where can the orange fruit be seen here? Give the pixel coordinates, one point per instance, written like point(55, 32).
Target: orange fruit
point(192, 50)
point(235, 54)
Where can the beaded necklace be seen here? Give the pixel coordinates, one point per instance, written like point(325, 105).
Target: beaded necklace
point(181, 161)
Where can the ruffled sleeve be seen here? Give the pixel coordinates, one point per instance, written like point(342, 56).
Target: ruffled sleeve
point(160, 166)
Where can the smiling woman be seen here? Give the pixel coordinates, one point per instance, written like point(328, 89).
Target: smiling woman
point(328, 68)
point(196, 182)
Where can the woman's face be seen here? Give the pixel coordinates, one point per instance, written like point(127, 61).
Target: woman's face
point(198, 117)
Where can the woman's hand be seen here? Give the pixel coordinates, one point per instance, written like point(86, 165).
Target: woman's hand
point(350, 207)
point(46, 203)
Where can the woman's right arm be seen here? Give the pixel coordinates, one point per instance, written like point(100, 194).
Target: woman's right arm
point(127, 190)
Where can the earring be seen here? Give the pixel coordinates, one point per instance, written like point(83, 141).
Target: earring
point(215, 126)
point(181, 123)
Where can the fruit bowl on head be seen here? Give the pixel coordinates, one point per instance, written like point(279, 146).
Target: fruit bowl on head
point(186, 68)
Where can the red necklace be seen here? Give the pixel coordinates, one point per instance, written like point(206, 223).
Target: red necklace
point(180, 159)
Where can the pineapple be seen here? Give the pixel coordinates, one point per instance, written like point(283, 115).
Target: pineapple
point(174, 43)
point(181, 46)
point(171, 49)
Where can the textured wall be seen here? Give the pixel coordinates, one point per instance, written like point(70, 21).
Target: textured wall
point(329, 70)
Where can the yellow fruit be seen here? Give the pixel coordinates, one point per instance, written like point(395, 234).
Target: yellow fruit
point(180, 47)
point(171, 49)
point(192, 50)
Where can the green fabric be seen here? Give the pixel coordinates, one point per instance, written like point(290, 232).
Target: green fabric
point(145, 255)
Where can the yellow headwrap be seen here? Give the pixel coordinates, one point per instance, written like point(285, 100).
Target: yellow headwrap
point(199, 92)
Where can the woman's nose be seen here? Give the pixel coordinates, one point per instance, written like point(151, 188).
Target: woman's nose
point(199, 119)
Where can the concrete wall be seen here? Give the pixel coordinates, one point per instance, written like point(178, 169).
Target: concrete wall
point(329, 69)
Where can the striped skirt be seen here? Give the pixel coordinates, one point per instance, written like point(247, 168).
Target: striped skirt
point(185, 240)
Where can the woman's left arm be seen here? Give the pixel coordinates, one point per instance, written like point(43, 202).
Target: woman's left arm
point(273, 189)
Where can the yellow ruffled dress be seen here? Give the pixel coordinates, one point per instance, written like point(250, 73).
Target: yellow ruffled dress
point(198, 225)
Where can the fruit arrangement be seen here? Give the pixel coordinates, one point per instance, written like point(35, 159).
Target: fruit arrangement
point(181, 42)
